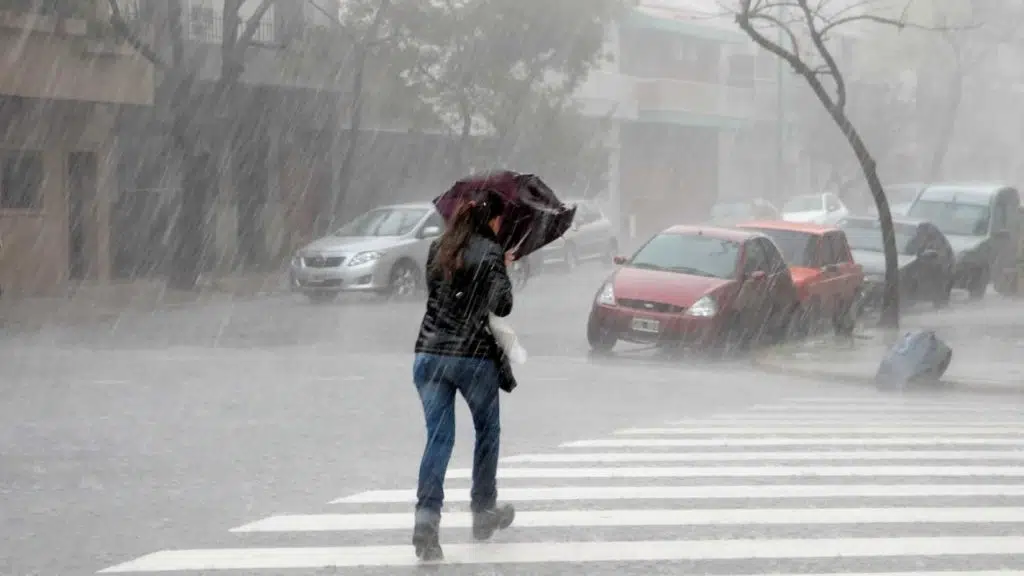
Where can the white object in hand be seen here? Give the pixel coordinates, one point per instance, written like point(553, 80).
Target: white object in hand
point(507, 339)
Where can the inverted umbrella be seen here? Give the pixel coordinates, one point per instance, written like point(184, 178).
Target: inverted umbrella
point(533, 218)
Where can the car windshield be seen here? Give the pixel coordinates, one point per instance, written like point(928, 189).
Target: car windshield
point(953, 219)
point(383, 222)
point(868, 236)
point(797, 247)
point(689, 254)
point(802, 204)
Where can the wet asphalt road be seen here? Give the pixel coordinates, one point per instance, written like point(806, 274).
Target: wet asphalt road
point(163, 432)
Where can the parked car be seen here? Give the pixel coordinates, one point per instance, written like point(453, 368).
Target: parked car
point(591, 237)
point(925, 259)
point(982, 223)
point(827, 278)
point(899, 196)
point(695, 286)
point(383, 251)
point(729, 213)
point(824, 208)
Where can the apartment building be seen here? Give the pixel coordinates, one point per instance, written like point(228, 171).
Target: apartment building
point(694, 105)
point(60, 85)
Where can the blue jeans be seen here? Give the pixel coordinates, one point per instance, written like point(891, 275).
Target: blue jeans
point(437, 378)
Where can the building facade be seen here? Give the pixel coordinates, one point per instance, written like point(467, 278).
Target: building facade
point(694, 105)
point(60, 88)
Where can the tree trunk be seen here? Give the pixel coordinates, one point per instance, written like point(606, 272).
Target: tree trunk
point(890, 316)
point(355, 116)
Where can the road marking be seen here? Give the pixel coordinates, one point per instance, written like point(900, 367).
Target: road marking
point(962, 430)
point(886, 401)
point(786, 441)
point(338, 378)
point(754, 492)
point(763, 456)
point(557, 552)
point(883, 409)
point(622, 518)
point(749, 472)
point(917, 420)
point(109, 382)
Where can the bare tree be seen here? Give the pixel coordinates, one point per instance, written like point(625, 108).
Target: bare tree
point(194, 152)
point(785, 28)
point(969, 47)
point(364, 44)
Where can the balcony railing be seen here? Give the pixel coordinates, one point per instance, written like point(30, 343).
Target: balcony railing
point(209, 28)
point(660, 95)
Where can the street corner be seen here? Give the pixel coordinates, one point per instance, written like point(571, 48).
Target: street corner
point(856, 361)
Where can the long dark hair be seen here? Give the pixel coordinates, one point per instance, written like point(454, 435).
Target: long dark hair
point(471, 217)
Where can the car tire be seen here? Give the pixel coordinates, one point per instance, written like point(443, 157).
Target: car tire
point(404, 281)
point(978, 284)
point(600, 339)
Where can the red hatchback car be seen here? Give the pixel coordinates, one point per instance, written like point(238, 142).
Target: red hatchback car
point(695, 286)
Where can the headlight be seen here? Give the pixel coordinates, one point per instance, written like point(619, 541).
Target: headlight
point(703, 308)
point(607, 295)
point(364, 258)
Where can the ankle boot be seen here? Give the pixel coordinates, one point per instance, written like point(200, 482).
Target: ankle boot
point(486, 522)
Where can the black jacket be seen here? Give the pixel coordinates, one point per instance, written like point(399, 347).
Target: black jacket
point(456, 321)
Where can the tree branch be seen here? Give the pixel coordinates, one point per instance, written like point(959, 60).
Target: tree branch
point(125, 32)
point(819, 44)
point(251, 26)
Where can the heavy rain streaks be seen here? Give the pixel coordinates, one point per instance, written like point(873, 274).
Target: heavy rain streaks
point(215, 221)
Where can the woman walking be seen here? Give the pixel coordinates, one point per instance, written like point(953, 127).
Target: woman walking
point(467, 280)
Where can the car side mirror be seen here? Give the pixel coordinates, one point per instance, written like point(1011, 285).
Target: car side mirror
point(619, 260)
point(929, 254)
point(757, 275)
point(430, 232)
point(830, 268)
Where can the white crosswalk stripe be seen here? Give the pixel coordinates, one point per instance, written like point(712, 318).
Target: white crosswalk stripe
point(872, 486)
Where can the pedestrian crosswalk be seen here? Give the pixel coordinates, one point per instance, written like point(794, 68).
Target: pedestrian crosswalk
point(868, 485)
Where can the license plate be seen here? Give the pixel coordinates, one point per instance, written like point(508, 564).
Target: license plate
point(646, 325)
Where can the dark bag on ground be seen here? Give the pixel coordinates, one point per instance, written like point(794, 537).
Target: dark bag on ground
point(918, 356)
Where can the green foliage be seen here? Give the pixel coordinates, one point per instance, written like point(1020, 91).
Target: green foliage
point(508, 69)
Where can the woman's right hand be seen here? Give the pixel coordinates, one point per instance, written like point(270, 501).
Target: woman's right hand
point(510, 257)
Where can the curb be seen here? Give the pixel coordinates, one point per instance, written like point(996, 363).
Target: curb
point(986, 387)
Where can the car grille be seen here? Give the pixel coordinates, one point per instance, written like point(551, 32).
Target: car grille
point(323, 261)
point(651, 306)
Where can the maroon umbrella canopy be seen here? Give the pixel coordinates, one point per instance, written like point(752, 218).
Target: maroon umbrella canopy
point(534, 217)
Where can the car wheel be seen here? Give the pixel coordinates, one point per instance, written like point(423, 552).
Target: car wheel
point(322, 297)
point(404, 282)
point(599, 338)
point(978, 284)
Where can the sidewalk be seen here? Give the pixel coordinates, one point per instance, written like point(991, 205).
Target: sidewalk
point(87, 303)
point(987, 348)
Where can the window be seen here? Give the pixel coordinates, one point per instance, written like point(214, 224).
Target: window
point(864, 234)
point(954, 219)
point(21, 180)
point(689, 254)
point(797, 248)
point(755, 258)
point(776, 263)
point(383, 222)
point(834, 249)
point(434, 220)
